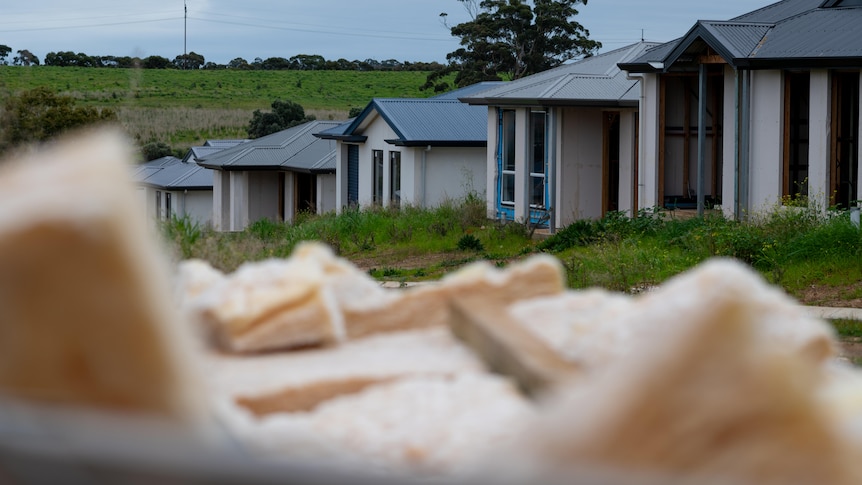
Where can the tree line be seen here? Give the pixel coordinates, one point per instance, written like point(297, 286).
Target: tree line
point(195, 61)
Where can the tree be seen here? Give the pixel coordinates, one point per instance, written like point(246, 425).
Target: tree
point(4, 51)
point(284, 114)
point(25, 58)
point(192, 60)
point(239, 63)
point(156, 149)
point(156, 62)
point(513, 38)
point(40, 114)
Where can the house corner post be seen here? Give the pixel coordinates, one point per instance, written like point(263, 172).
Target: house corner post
point(701, 139)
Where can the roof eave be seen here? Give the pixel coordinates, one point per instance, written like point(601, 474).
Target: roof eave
point(610, 103)
point(343, 138)
point(438, 143)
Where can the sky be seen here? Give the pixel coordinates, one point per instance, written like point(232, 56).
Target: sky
point(222, 30)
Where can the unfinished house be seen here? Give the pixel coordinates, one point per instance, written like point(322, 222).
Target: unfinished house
point(562, 143)
point(748, 113)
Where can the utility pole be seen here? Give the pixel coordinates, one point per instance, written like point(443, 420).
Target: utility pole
point(185, 35)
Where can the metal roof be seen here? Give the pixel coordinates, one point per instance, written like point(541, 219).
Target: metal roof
point(467, 90)
point(593, 81)
point(170, 173)
point(295, 148)
point(821, 33)
point(224, 143)
point(438, 121)
point(786, 34)
point(779, 11)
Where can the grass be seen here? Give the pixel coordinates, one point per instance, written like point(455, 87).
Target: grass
point(795, 249)
point(185, 108)
point(410, 243)
point(847, 329)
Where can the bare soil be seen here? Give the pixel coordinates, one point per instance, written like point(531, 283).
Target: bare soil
point(837, 296)
point(851, 348)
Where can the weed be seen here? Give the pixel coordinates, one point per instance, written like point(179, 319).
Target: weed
point(847, 328)
point(184, 232)
point(469, 242)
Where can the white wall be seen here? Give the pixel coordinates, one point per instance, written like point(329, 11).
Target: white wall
point(580, 162)
point(326, 193)
point(221, 201)
point(196, 204)
point(491, 164)
point(728, 179)
point(239, 216)
point(628, 160)
point(766, 148)
point(819, 138)
point(452, 173)
point(649, 140)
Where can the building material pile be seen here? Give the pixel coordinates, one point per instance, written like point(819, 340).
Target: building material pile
point(488, 374)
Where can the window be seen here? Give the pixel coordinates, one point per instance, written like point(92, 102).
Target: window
point(167, 205)
point(378, 176)
point(159, 204)
point(538, 158)
point(796, 99)
point(507, 157)
point(395, 178)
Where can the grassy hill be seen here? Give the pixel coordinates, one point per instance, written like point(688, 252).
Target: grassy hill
point(184, 108)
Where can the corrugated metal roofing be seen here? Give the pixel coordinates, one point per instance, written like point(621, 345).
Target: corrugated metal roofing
point(438, 121)
point(790, 33)
point(822, 33)
point(171, 173)
point(224, 143)
point(739, 38)
point(779, 11)
point(467, 90)
point(434, 120)
point(293, 149)
point(595, 80)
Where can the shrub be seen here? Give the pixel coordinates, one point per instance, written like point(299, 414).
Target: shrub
point(469, 242)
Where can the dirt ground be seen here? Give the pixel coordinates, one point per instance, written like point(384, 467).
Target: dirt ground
point(831, 296)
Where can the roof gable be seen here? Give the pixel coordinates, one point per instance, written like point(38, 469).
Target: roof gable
point(786, 34)
point(438, 121)
point(295, 148)
point(594, 80)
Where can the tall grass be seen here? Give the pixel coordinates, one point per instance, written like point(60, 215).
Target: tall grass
point(628, 254)
point(385, 237)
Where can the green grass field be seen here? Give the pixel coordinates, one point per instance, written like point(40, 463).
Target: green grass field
point(184, 108)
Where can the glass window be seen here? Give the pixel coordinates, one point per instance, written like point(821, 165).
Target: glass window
point(797, 94)
point(395, 178)
point(378, 176)
point(538, 157)
point(158, 204)
point(507, 156)
point(167, 205)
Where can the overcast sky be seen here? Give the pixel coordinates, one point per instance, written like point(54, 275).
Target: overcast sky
point(221, 30)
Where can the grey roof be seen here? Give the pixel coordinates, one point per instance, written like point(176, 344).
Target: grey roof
point(593, 81)
point(295, 149)
point(786, 34)
point(170, 173)
point(224, 143)
point(467, 90)
point(779, 11)
point(437, 121)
